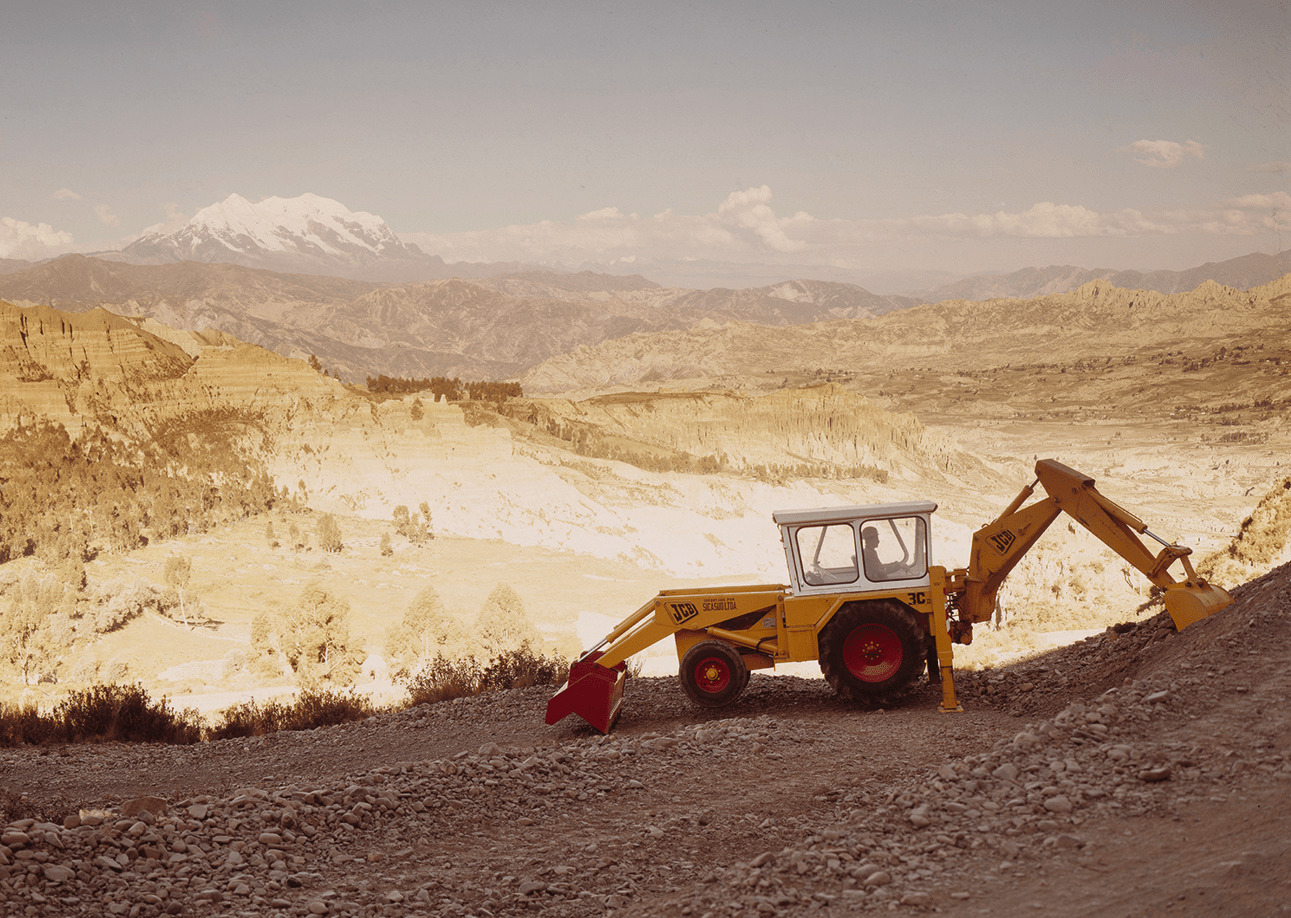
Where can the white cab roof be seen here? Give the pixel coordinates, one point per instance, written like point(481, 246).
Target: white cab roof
point(843, 514)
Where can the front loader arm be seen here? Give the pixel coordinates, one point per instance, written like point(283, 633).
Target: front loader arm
point(999, 545)
point(594, 690)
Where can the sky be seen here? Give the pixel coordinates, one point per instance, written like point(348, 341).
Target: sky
point(877, 138)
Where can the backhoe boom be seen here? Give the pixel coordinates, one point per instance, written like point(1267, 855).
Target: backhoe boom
point(998, 546)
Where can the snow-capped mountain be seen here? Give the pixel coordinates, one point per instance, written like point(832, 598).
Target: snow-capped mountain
point(304, 235)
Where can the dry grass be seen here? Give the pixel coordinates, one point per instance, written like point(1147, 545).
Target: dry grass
point(125, 713)
point(443, 679)
point(101, 713)
point(313, 709)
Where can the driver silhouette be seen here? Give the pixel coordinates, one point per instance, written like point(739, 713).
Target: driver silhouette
point(874, 568)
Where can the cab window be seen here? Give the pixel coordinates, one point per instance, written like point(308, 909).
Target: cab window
point(828, 554)
point(894, 549)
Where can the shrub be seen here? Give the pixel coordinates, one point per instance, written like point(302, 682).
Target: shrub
point(327, 708)
point(523, 668)
point(24, 724)
point(443, 679)
point(414, 527)
point(122, 603)
point(328, 533)
point(33, 623)
point(124, 713)
point(107, 713)
point(312, 709)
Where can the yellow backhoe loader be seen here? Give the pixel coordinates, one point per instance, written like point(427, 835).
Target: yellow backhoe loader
point(864, 600)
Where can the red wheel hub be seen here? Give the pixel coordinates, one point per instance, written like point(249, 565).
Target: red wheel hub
point(712, 674)
point(873, 653)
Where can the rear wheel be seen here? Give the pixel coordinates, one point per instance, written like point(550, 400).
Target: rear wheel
point(713, 673)
point(872, 651)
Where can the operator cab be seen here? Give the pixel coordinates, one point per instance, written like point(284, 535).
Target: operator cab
point(863, 548)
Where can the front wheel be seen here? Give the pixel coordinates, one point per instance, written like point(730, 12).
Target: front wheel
point(713, 673)
point(872, 651)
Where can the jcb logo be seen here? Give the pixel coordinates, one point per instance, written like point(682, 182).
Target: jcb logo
point(1002, 540)
point(682, 611)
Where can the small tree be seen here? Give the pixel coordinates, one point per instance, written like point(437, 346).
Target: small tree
point(413, 527)
point(271, 539)
point(503, 625)
point(264, 647)
point(33, 626)
point(328, 533)
point(314, 637)
point(178, 571)
point(427, 631)
point(387, 549)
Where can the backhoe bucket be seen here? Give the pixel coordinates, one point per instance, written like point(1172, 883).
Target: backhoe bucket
point(593, 692)
point(1188, 603)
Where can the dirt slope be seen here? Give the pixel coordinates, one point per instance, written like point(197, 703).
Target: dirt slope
point(1140, 772)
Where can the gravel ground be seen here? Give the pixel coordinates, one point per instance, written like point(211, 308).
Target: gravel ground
point(1140, 772)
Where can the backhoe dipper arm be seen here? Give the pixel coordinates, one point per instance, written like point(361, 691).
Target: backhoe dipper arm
point(999, 545)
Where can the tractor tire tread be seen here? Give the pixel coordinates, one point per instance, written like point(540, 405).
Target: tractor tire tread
point(894, 615)
point(738, 680)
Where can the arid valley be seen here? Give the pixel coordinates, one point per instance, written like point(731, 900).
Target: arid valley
point(645, 460)
point(176, 497)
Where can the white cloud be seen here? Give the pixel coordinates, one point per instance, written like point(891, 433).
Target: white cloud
point(749, 210)
point(31, 241)
point(1164, 154)
point(66, 194)
point(744, 228)
point(175, 219)
point(105, 214)
point(605, 213)
point(1044, 220)
point(1276, 167)
point(1278, 200)
point(1253, 213)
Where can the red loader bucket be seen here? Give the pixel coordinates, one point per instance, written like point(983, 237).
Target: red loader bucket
point(593, 692)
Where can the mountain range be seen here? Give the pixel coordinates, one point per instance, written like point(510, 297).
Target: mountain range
point(308, 234)
point(279, 233)
point(1241, 273)
point(484, 328)
point(307, 276)
point(311, 234)
point(1159, 357)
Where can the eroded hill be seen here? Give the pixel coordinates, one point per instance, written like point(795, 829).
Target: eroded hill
point(978, 353)
point(820, 431)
